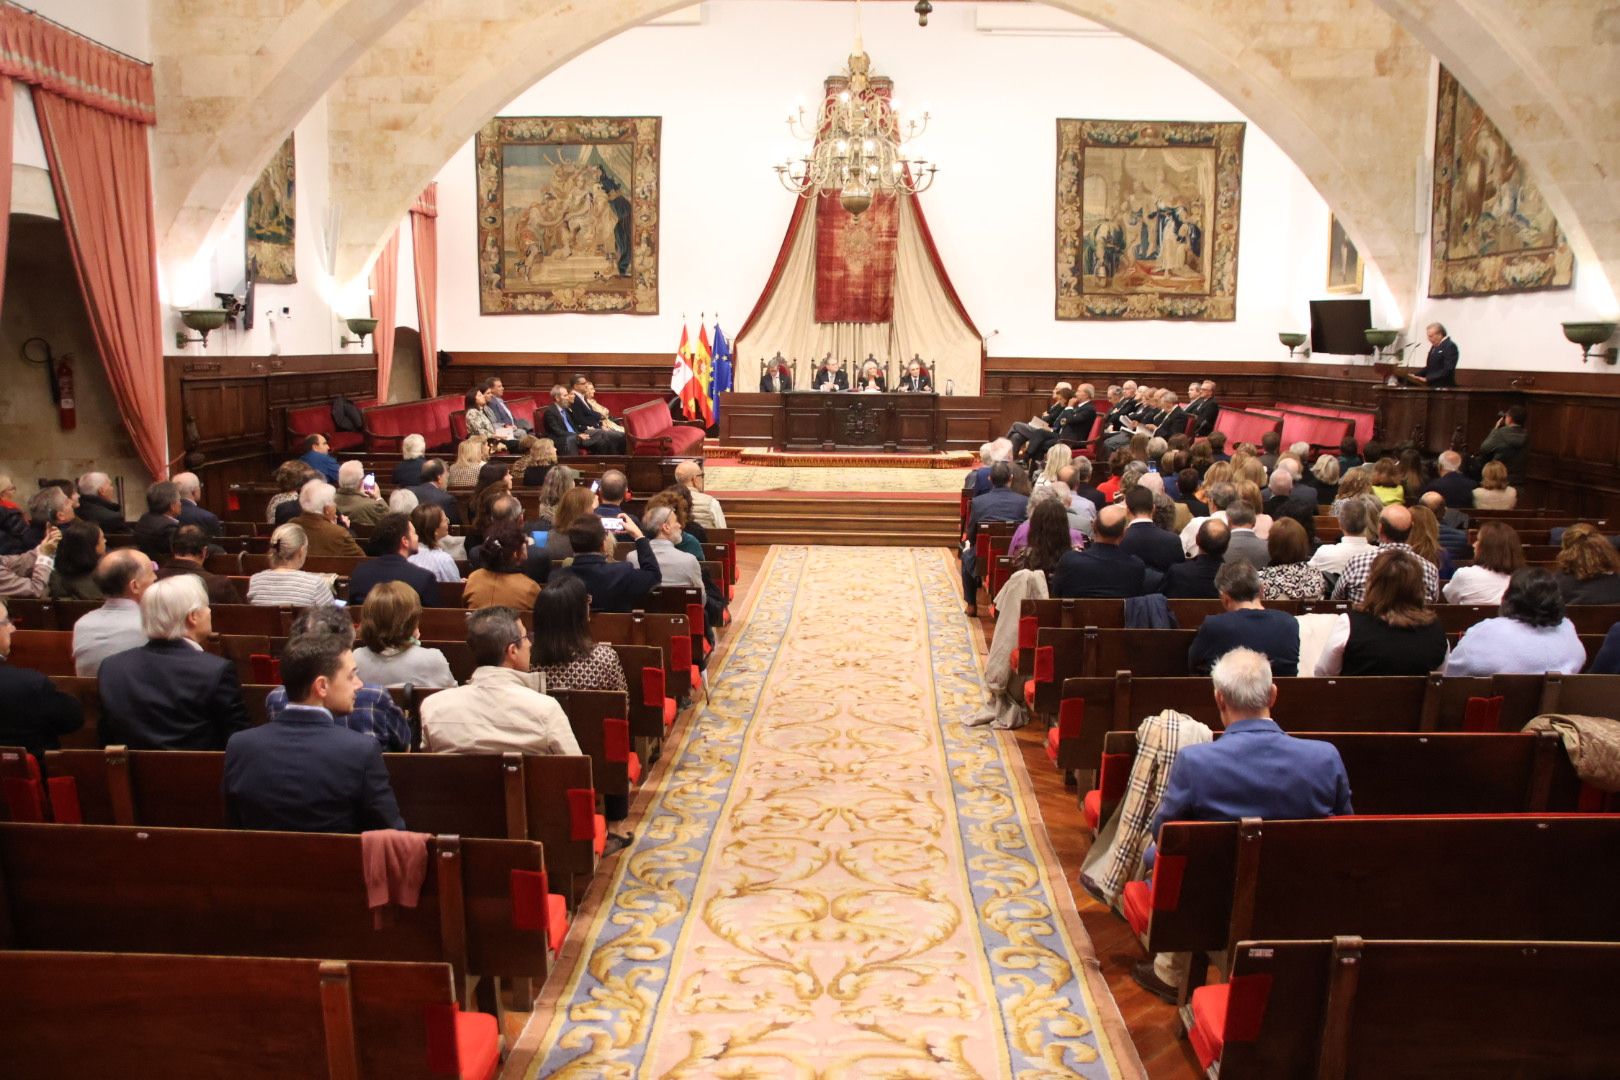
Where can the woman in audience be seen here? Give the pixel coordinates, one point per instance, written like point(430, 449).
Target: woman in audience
point(412, 454)
point(82, 546)
point(1498, 554)
point(1117, 461)
point(1041, 539)
point(1386, 482)
point(470, 457)
point(1349, 457)
point(500, 581)
point(431, 529)
point(392, 655)
point(1289, 575)
point(1411, 469)
point(1390, 632)
point(558, 482)
point(1425, 540)
point(1353, 484)
point(1188, 483)
point(568, 659)
point(575, 504)
point(1325, 475)
point(1056, 458)
point(479, 422)
point(1494, 492)
point(1247, 469)
point(494, 483)
point(1530, 636)
point(1588, 567)
point(536, 456)
point(1249, 492)
point(290, 477)
point(286, 583)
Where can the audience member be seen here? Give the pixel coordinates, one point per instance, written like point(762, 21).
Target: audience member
point(1286, 502)
point(471, 455)
point(1103, 568)
point(506, 508)
point(122, 576)
point(1494, 492)
point(302, 771)
point(1498, 554)
point(1082, 486)
point(189, 544)
point(48, 506)
point(1410, 466)
point(287, 583)
point(431, 528)
point(1425, 540)
point(1254, 770)
point(1063, 539)
point(500, 580)
point(536, 458)
point(676, 567)
point(1159, 550)
point(170, 694)
point(1607, 661)
point(558, 482)
point(392, 655)
point(613, 488)
point(1386, 482)
point(1195, 578)
point(1333, 558)
point(1507, 445)
point(1450, 481)
point(412, 456)
point(395, 541)
point(614, 586)
point(191, 512)
point(1245, 624)
point(34, 714)
point(162, 517)
point(318, 456)
point(1058, 458)
point(1038, 427)
point(499, 412)
point(1243, 539)
point(358, 506)
point(1220, 494)
point(1288, 574)
point(28, 573)
point(1530, 636)
point(1249, 491)
point(98, 503)
point(1326, 471)
point(81, 546)
point(1353, 484)
point(431, 491)
point(706, 509)
point(290, 477)
point(1000, 503)
point(501, 708)
point(1045, 537)
point(373, 713)
point(1349, 455)
point(1394, 529)
point(1391, 631)
point(1452, 525)
point(1588, 567)
point(13, 520)
point(1270, 446)
point(318, 518)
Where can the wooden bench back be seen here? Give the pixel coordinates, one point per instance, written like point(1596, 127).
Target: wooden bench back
point(599, 719)
point(670, 634)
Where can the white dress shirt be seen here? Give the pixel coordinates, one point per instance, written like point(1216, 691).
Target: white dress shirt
point(1189, 535)
point(498, 710)
point(1333, 558)
point(1475, 585)
point(112, 628)
point(706, 510)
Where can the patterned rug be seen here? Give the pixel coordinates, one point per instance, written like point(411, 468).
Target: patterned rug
point(719, 478)
point(833, 878)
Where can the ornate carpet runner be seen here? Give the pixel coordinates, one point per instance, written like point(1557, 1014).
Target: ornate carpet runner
point(837, 879)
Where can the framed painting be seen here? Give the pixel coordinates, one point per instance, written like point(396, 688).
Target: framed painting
point(1147, 219)
point(1344, 274)
point(568, 215)
point(269, 221)
point(1493, 232)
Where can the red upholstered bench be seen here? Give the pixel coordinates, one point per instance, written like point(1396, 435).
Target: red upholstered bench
point(317, 420)
point(651, 432)
point(1242, 425)
point(387, 425)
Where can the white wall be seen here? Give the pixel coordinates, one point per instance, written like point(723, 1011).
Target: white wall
point(119, 24)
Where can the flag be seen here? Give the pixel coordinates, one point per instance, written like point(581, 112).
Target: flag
point(680, 378)
point(721, 381)
point(703, 369)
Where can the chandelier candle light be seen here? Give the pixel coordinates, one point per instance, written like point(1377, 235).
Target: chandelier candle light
point(856, 143)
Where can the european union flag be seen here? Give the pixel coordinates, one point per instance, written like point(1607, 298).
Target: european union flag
point(720, 380)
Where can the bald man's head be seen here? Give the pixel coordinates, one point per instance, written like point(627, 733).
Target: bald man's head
point(1111, 524)
point(1434, 501)
point(1395, 525)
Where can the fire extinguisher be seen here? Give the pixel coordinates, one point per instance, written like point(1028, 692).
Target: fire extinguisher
point(66, 409)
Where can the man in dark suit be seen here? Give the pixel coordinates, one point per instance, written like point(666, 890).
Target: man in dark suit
point(829, 377)
point(189, 547)
point(1000, 503)
point(1173, 421)
point(34, 714)
point(433, 490)
point(1255, 769)
point(1245, 624)
point(916, 380)
point(610, 493)
point(1073, 424)
point(1204, 407)
point(566, 433)
point(395, 540)
point(499, 411)
point(1124, 409)
point(1021, 433)
point(1288, 501)
point(613, 586)
point(192, 514)
point(162, 517)
point(1441, 367)
point(169, 694)
point(1452, 483)
point(303, 771)
point(318, 456)
point(1453, 526)
point(588, 421)
point(98, 503)
point(1195, 578)
point(1159, 550)
point(1103, 569)
point(777, 378)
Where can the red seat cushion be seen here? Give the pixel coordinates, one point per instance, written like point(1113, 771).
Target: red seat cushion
point(478, 1046)
point(697, 676)
point(635, 767)
point(556, 921)
point(670, 709)
point(1208, 1031)
point(1091, 807)
point(1138, 905)
point(1052, 736)
point(1029, 693)
point(599, 835)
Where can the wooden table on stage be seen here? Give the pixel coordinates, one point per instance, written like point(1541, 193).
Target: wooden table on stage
point(808, 420)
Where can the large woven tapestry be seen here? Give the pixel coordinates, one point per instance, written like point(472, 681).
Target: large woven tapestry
point(1147, 219)
point(568, 215)
point(1493, 232)
point(856, 253)
point(269, 219)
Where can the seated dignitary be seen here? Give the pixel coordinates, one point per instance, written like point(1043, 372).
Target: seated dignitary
point(395, 541)
point(916, 380)
point(189, 546)
point(501, 708)
point(1246, 624)
point(304, 771)
point(170, 694)
point(1103, 568)
point(34, 714)
point(1255, 769)
point(122, 576)
point(829, 376)
point(777, 377)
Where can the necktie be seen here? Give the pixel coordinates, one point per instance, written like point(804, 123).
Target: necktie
point(567, 423)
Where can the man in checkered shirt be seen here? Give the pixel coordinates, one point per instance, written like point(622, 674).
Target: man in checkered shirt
point(1394, 526)
point(374, 711)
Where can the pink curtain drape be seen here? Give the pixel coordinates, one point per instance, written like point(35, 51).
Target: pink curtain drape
point(425, 253)
point(40, 53)
point(8, 93)
point(102, 176)
point(384, 298)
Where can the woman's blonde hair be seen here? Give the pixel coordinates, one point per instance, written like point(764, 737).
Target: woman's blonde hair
point(1425, 536)
point(533, 450)
point(389, 617)
point(1494, 477)
point(1356, 481)
point(1326, 469)
point(288, 545)
point(1056, 458)
point(474, 450)
point(575, 504)
point(1586, 553)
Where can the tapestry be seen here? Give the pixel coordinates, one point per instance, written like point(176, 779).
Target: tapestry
point(1147, 219)
point(269, 216)
point(568, 215)
point(856, 253)
point(1344, 273)
point(1493, 232)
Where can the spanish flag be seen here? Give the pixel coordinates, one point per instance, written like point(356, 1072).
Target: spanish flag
point(703, 372)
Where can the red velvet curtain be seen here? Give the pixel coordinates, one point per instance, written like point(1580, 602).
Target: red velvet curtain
point(40, 53)
point(103, 182)
point(425, 253)
point(384, 298)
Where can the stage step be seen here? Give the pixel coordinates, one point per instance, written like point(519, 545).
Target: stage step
point(853, 519)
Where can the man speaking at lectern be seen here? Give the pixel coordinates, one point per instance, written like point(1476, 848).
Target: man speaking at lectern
point(1441, 369)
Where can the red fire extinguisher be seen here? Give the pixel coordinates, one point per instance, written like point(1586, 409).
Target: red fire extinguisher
point(66, 409)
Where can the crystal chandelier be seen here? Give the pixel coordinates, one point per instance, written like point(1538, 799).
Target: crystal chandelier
point(857, 143)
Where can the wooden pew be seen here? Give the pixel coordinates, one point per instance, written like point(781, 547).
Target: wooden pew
point(79, 1014)
point(1354, 1007)
point(682, 600)
point(484, 909)
point(652, 710)
point(670, 634)
point(497, 796)
point(599, 721)
point(48, 651)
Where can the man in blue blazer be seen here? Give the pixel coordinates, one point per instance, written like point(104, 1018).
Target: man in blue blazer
point(303, 771)
point(169, 694)
point(1158, 548)
point(1245, 624)
point(1195, 578)
point(1441, 368)
point(318, 456)
point(613, 586)
point(395, 541)
point(1254, 769)
point(1000, 503)
point(1103, 569)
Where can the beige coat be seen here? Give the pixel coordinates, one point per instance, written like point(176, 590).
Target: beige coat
point(498, 710)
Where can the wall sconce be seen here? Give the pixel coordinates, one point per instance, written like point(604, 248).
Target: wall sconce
point(922, 8)
point(202, 320)
point(1294, 340)
point(1381, 340)
point(1589, 335)
point(359, 328)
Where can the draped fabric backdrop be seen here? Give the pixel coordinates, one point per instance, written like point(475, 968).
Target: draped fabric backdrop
point(855, 261)
point(8, 93)
point(425, 252)
point(384, 298)
point(94, 106)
